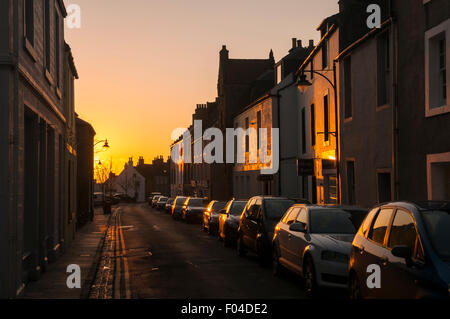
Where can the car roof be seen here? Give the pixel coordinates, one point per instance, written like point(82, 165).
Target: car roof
point(420, 205)
point(331, 206)
point(263, 197)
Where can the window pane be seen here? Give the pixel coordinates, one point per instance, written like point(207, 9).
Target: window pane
point(326, 118)
point(292, 216)
point(313, 126)
point(351, 182)
point(302, 217)
point(368, 221)
point(403, 232)
point(379, 227)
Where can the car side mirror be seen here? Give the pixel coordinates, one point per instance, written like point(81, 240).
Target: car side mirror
point(297, 227)
point(402, 252)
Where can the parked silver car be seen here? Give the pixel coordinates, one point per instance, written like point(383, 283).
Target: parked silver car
point(315, 242)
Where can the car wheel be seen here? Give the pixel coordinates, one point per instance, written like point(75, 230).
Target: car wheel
point(354, 289)
point(240, 246)
point(309, 275)
point(277, 268)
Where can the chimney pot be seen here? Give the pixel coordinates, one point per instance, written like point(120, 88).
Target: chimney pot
point(311, 43)
point(294, 43)
point(299, 44)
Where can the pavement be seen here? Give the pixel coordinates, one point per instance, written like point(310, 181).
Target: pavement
point(85, 252)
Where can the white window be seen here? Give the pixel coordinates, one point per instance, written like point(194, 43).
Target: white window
point(437, 57)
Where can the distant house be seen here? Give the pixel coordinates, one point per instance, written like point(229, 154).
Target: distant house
point(131, 182)
point(140, 181)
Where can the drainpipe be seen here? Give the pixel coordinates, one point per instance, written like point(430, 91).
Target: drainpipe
point(278, 124)
point(336, 129)
point(395, 129)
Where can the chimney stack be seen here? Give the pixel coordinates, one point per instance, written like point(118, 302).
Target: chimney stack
point(299, 44)
point(294, 43)
point(311, 43)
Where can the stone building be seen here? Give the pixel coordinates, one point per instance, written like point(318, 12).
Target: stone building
point(156, 175)
point(395, 109)
point(85, 172)
point(240, 82)
point(36, 132)
point(317, 118)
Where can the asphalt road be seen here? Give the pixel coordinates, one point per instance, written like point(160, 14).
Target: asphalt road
point(171, 259)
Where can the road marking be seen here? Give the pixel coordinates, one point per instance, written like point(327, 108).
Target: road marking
point(125, 265)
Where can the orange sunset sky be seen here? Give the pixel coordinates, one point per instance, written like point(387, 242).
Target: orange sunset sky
point(145, 64)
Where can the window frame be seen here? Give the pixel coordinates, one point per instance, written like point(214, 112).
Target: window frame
point(374, 219)
point(430, 34)
point(418, 242)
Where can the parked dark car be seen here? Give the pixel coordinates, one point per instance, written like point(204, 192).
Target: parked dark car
point(168, 205)
point(192, 209)
point(177, 206)
point(210, 218)
point(314, 241)
point(155, 200)
point(257, 224)
point(229, 221)
point(161, 203)
point(410, 244)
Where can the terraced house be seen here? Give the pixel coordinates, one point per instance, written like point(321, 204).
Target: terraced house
point(37, 142)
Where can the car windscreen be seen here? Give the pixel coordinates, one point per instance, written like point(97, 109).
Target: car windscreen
point(180, 200)
point(196, 202)
point(334, 221)
point(218, 206)
point(237, 208)
point(275, 208)
point(437, 224)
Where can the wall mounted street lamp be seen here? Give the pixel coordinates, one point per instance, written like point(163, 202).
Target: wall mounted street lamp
point(302, 85)
point(105, 146)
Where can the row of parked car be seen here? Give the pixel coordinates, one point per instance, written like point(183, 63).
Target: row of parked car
point(394, 250)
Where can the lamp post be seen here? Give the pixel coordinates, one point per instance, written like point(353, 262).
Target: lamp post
point(302, 85)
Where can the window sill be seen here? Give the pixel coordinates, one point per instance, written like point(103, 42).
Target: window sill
point(437, 111)
point(348, 120)
point(29, 48)
point(49, 77)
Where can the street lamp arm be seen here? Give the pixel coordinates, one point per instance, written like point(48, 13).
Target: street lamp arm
point(323, 76)
point(97, 142)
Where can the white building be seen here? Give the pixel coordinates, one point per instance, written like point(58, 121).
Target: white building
point(131, 182)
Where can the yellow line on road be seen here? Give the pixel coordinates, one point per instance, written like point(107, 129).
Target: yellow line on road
point(125, 264)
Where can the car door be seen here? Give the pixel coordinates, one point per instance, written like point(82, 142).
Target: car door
point(297, 241)
point(245, 222)
point(255, 223)
point(283, 232)
point(403, 275)
point(374, 256)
